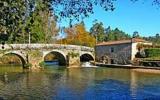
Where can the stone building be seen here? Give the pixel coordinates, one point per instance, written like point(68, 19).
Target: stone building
point(118, 52)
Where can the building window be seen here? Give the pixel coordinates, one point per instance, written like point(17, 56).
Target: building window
point(112, 49)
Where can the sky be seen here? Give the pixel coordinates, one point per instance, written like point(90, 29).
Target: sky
point(129, 17)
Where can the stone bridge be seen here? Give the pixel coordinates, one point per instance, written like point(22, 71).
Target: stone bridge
point(34, 54)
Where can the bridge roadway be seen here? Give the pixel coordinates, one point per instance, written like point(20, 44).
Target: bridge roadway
point(34, 54)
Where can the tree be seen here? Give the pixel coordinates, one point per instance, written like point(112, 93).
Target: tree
point(136, 34)
point(154, 39)
point(43, 27)
point(108, 29)
point(14, 13)
point(97, 30)
point(157, 35)
point(116, 34)
point(107, 34)
point(37, 21)
point(77, 35)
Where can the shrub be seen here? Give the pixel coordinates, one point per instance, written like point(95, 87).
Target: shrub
point(28, 65)
point(152, 52)
point(42, 64)
point(73, 54)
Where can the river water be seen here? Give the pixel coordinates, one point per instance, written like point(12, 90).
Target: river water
point(56, 83)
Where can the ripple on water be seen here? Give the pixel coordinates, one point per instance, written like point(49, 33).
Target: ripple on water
point(79, 84)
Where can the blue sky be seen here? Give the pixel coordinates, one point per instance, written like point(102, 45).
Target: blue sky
point(129, 17)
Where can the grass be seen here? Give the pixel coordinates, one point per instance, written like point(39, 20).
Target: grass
point(152, 58)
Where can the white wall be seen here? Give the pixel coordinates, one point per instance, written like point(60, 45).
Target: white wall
point(134, 50)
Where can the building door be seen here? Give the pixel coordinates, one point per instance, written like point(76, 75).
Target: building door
point(112, 61)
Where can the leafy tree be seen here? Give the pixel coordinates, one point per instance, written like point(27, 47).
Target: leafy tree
point(38, 21)
point(157, 35)
point(116, 34)
point(98, 31)
point(43, 27)
point(136, 34)
point(108, 29)
point(77, 35)
point(107, 34)
point(14, 13)
point(155, 39)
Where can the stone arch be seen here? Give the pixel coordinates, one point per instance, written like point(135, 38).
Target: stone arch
point(20, 56)
point(59, 55)
point(86, 57)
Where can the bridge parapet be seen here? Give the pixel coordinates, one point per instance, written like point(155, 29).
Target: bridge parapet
point(45, 46)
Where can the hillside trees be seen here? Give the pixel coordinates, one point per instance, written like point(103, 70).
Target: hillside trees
point(107, 34)
point(15, 13)
point(155, 39)
point(117, 34)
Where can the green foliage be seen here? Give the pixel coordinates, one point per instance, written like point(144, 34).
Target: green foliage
point(76, 9)
point(78, 35)
point(155, 39)
point(136, 34)
point(116, 34)
point(27, 66)
point(151, 58)
point(73, 54)
point(35, 53)
point(152, 52)
point(19, 17)
point(141, 46)
point(36, 29)
point(41, 24)
point(28, 16)
point(12, 13)
point(97, 30)
point(107, 34)
point(42, 64)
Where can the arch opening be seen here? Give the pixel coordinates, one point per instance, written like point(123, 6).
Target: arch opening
point(55, 58)
point(13, 59)
point(86, 58)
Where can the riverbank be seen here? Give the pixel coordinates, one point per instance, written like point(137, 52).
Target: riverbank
point(126, 66)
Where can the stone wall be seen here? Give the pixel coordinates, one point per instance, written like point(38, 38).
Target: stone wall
point(118, 53)
point(34, 53)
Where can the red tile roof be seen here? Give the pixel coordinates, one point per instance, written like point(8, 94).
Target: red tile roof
point(133, 40)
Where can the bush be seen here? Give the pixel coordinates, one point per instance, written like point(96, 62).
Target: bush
point(42, 64)
point(73, 54)
point(152, 52)
point(27, 66)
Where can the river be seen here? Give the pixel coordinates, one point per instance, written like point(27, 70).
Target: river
point(58, 83)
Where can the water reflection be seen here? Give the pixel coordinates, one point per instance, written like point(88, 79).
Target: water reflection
point(54, 83)
point(145, 85)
